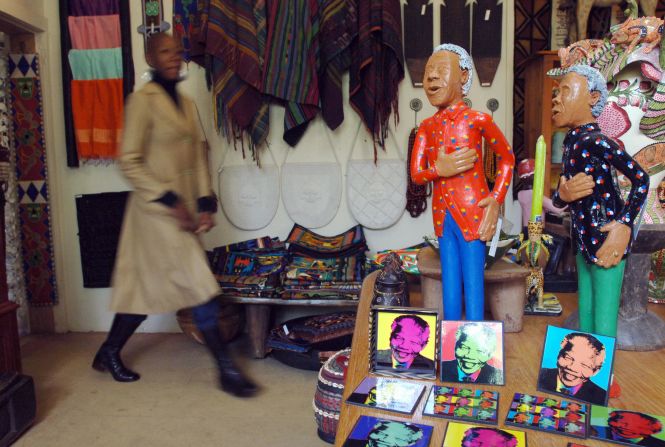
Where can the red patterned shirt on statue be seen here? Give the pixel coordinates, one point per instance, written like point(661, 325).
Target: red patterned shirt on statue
point(454, 128)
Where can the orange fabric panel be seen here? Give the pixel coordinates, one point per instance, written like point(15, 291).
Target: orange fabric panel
point(97, 108)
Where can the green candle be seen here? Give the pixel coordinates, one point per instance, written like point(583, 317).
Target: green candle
point(538, 181)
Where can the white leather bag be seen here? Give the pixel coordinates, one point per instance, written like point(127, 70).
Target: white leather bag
point(312, 191)
point(376, 193)
point(249, 195)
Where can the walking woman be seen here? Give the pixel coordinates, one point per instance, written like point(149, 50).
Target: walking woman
point(161, 265)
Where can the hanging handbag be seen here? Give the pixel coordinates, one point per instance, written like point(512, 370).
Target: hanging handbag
point(376, 192)
point(312, 191)
point(249, 194)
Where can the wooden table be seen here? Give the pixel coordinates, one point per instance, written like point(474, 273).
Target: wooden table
point(643, 388)
point(257, 311)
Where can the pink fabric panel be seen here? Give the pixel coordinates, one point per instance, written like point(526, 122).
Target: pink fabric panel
point(94, 32)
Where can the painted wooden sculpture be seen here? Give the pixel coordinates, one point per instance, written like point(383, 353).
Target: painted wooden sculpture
point(635, 118)
point(583, 9)
point(448, 153)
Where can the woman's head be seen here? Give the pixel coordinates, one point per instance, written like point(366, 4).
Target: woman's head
point(164, 55)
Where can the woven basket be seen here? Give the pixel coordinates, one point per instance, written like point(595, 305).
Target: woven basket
point(230, 322)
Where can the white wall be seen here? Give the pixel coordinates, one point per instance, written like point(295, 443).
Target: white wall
point(87, 309)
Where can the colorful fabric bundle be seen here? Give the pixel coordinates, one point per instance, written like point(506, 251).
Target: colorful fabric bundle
point(234, 36)
point(98, 77)
point(377, 65)
point(290, 71)
point(304, 333)
point(294, 53)
point(250, 268)
point(324, 267)
point(319, 328)
point(308, 270)
point(337, 30)
point(408, 256)
point(305, 242)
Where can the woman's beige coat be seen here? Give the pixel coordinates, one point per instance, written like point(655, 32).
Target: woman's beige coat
point(160, 268)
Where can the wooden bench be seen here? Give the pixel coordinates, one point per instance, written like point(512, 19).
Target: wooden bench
point(257, 311)
point(505, 289)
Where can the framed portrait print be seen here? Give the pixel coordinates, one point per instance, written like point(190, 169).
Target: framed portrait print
point(469, 435)
point(626, 427)
point(464, 404)
point(577, 365)
point(563, 417)
point(472, 352)
point(403, 342)
point(374, 431)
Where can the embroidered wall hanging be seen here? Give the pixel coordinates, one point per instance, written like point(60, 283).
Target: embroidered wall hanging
point(95, 42)
point(13, 256)
point(31, 173)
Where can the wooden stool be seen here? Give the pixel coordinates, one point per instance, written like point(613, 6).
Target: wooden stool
point(504, 288)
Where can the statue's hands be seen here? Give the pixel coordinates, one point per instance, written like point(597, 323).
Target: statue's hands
point(448, 165)
point(490, 216)
point(206, 222)
point(610, 253)
point(578, 187)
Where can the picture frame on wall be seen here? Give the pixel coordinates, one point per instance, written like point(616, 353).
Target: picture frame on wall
point(556, 416)
point(369, 430)
point(577, 365)
point(471, 435)
point(403, 342)
point(472, 352)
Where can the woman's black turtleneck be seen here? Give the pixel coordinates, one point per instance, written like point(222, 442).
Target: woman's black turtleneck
point(168, 85)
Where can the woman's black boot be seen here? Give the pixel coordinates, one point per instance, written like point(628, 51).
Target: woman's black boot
point(232, 380)
point(108, 356)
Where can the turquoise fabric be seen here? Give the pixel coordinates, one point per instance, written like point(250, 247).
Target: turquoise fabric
point(87, 65)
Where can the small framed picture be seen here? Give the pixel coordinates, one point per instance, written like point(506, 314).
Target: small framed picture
point(403, 342)
point(472, 352)
point(626, 427)
point(387, 394)
point(547, 414)
point(468, 435)
point(577, 365)
point(374, 431)
point(464, 404)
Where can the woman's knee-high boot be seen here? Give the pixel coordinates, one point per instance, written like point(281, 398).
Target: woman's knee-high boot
point(108, 356)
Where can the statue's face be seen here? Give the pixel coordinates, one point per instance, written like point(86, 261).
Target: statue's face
point(443, 79)
point(572, 102)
